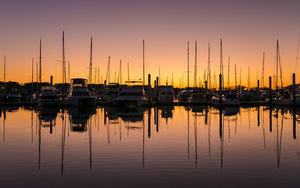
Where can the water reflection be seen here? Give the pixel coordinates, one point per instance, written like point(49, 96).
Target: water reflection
point(168, 139)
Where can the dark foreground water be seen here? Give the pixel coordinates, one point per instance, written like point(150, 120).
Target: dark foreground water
point(164, 147)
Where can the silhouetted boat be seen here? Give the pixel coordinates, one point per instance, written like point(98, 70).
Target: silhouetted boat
point(48, 96)
point(131, 96)
point(112, 92)
point(79, 94)
point(165, 94)
point(13, 95)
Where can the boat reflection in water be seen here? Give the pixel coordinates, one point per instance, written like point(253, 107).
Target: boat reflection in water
point(101, 145)
point(47, 117)
point(79, 118)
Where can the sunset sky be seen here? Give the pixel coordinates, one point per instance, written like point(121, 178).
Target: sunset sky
point(247, 27)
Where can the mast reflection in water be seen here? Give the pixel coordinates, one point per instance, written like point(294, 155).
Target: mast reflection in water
point(161, 146)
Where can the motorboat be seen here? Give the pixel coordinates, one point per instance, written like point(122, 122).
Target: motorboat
point(79, 94)
point(131, 96)
point(165, 94)
point(48, 96)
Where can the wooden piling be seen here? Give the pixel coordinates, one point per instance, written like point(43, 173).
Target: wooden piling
point(51, 80)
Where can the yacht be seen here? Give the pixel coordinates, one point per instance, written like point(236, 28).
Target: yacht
point(198, 97)
point(112, 92)
point(229, 99)
point(79, 94)
point(13, 95)
point(48, 96)
point(165, 94)
point(131, 95)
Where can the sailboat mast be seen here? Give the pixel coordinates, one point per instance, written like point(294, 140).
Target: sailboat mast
point(228, 81)
point(195, 68)
point(143, 62)
point(240, 77)
point(4, 69)
point(188, 65)
point(235, 77)
point(63, 59)
point(221, 62)
point(263, 72)
point(40, 62)
point(120, 72)
point(69, 72)
point(108, 71)
point(128, 76)
point(248, 77)
point(98, 81)
point(277, 63)
point(91, 62)
point(208, 68)
point(32, 69)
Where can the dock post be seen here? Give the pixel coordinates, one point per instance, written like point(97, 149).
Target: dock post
point(149, 89)
point(51, 80)
point(270, 89)
point(258, 91)
point(294, 89)
point(220, 87)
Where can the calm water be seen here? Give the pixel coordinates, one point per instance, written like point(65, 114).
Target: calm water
point(164, 147)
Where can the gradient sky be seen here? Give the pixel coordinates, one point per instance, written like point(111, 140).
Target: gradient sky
point(248, 27)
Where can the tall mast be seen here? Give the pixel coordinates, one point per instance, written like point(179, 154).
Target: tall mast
point(277, 63)
point(37, 71)
point(143, 62)
point(240, 77)
point(248, 77)
point(40, 62)
point(159, 76)
point(235, 76)
point(95, 76)
point(172, 81)
point(280, 67)
point(128, 76)
point(208, 68)
point(4, 69)
point(195, 68)
point(32, 69)
point(63, 60)
point(263, 72)
point(188, 65)
point(228, 81)
point(120, 72)
point(98, 80)
point(221, 61)
point(108, 71)
point(69, 71)
point(91, 62)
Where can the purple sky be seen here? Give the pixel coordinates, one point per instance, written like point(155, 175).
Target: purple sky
point(118, 26)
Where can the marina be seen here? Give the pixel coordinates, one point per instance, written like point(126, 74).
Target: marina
point(157, 93)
